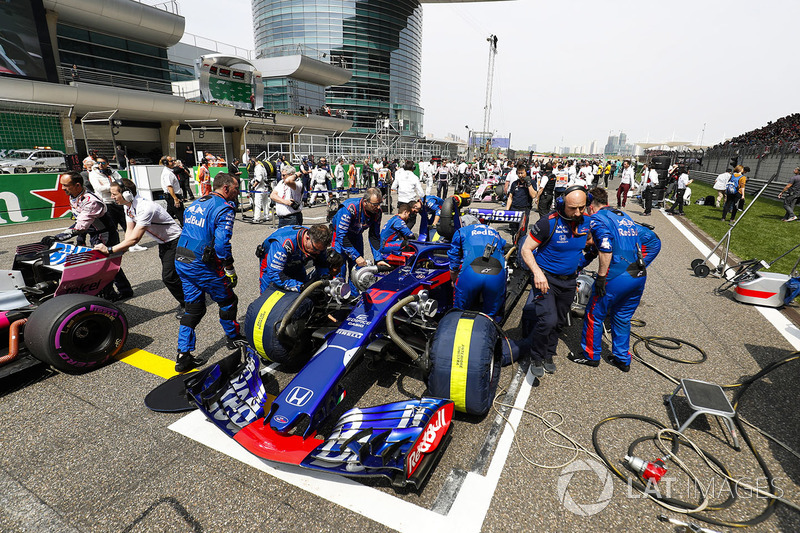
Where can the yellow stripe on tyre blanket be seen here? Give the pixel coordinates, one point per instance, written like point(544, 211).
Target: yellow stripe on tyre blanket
point(264, 317)
point(465, 361)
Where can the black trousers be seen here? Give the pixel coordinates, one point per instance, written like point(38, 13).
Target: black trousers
point(295, 219)
point(544, 315)
point(441, 189)
point(545, 202)
point(647, 196)
point(117, 214)
point(175, 212)
point(678, 202)
point(166, 253)
point(731, 204)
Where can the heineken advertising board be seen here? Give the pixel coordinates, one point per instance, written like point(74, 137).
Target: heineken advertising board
point(31, 198)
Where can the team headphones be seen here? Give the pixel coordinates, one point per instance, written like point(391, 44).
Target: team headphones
point(127, 194)
point(561, 205)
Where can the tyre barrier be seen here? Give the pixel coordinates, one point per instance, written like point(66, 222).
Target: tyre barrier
point(75, 333)
point(465, 361)
point(264, 317)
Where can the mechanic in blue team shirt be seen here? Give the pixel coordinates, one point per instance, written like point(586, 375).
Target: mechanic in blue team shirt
point(478, 267)
point(349, 223)
point(285, 253)
point(205, 265)
point(553, 252)
point(433, 205)
point(395, 231)
point(624, 248)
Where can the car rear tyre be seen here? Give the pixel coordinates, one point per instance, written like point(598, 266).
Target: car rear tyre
point(465, 361)
point(263, 320)
point(20, 170)
point(76, 333)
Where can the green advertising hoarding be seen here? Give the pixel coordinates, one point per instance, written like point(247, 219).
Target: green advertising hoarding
point(31, 198)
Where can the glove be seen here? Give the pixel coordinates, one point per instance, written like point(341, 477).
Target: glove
point(295, 205)
point(61, 237)
point(334, 259)
point(230, 272)
point(600, 286)
point(48, 240)
point(304, 286)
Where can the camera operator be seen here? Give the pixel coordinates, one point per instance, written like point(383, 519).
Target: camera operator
point(288, 197)
point(101, 177)
point(547, 186)
point(520, 196)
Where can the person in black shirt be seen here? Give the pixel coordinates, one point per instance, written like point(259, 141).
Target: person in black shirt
point(520, 196)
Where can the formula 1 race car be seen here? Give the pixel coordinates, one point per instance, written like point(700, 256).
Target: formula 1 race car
point(50, 315)
point(403, 314)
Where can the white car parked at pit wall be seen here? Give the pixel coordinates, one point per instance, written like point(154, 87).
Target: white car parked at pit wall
point(32, 160)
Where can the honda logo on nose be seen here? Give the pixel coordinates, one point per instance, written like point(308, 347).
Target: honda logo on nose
point(299, 396)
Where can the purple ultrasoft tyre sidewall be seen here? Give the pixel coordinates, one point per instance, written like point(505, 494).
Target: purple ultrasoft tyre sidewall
point(76, 333)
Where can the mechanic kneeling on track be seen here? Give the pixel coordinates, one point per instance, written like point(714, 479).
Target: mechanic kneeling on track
point(478, 268)
point(349, 223)
point(91, 215)
point(284, 255)
point(144, 216)
point(624, 248)
point(553, 252)
point(205, 265)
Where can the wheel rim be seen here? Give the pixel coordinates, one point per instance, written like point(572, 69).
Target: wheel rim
point(90, 337)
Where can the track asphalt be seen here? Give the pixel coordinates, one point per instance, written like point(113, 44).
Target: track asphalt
point(83, 453)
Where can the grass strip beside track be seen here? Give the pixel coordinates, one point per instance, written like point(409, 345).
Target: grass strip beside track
point(760, 235)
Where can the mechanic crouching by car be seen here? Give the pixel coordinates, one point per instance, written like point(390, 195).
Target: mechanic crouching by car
point(144, 216)
point(205, 265)
point(349, 223)
point(625, 248)
point(91, 216)
point(553, 252)
point(478, 268)
point(285, 253)
point(396, 231)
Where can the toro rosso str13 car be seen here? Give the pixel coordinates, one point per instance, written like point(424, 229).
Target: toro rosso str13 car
point(404, 314)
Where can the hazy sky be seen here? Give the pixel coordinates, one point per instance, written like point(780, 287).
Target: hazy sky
point(568, 72)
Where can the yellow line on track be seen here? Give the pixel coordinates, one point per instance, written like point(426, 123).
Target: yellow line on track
point(149, 362)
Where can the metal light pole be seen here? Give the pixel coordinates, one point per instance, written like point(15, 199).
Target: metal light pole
point(469, 142)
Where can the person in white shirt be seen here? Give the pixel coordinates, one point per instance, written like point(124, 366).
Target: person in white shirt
point(625, 184)
point(585, 173)
point(648, 184)
point(101, 178)
point(338, 176)
point(260, 184)
point(683, 182)
point(318, 177)
point(409, 189)
point(721, 183)
point(143, 216)
point(172, 189)
point(288, 198)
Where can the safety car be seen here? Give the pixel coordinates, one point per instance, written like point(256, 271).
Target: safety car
point(32, 160)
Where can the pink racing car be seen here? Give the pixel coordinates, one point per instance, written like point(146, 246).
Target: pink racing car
point(50, 314)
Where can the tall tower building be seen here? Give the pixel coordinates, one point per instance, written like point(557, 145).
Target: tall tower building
point(379, 41)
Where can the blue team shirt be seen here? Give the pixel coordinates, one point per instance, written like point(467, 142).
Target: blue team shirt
point(616, 233)
point(563, 253)
point(208, 221)
point(469, 243)
point(285, 261)
point(392, 235)
point(349, 223)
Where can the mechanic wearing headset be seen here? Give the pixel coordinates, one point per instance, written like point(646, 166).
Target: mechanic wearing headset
point(553, 252)
point(144, 216)
point(92, 218)
point(478, 268)
point(285, 253)
point(624, 249)
point(205, 265)
point(396, 230)
point(353, 217)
